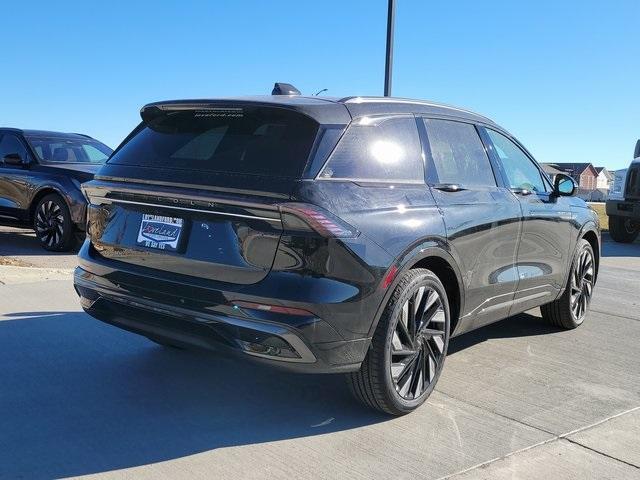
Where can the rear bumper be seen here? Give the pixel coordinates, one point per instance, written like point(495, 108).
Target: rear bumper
point(621, 208)
point(170, 320)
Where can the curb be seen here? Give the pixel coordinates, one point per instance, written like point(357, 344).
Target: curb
point(10, 275)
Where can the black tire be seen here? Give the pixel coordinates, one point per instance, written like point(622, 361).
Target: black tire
point(375, 384)
point(623, 229)
point(565, 312)
point(53, 225)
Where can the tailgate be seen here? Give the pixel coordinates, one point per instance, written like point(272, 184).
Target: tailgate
point(184, 231)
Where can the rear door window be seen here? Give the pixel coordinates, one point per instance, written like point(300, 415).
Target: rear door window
point(378, 149)
point(240, 140)
point(457, 154)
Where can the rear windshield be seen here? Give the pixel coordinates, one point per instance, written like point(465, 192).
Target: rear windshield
point(243, 140)
point(68, 149)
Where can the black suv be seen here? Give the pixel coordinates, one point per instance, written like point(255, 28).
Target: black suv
point(351, 235)
point(40, 177)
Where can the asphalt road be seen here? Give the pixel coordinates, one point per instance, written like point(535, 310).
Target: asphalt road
point(517, 399)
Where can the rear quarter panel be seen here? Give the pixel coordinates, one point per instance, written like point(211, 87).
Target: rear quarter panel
point(398, 223)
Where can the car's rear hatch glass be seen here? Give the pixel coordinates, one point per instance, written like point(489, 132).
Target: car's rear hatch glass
point(240, 140)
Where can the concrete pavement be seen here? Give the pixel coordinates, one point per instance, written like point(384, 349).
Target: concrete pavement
point(22, 247)
point(517, 399)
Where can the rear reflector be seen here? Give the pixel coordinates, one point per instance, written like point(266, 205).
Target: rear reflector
point(389, 277)
point(271, 308)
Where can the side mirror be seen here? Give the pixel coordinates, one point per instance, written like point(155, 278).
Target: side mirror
point(13, 159)
point(564, 185)
point(636, 152)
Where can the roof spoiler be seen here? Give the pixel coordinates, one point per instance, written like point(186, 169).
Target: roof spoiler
point(152, 111)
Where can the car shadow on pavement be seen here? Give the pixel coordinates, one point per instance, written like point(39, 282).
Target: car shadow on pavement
point(80, 397)
point(522, 325)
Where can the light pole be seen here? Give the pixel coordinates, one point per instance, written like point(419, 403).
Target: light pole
point(391, 13)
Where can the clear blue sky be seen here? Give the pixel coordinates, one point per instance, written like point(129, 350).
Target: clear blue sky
point(564, 77)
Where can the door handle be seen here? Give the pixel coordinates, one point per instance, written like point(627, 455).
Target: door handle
point(521, 191)
point(449, 187)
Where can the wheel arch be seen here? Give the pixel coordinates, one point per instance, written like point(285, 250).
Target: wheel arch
point(436, 258)
point(589, 233)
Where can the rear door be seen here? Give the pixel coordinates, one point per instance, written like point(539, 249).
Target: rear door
point(481, 216)
point(544, 250)
point(195, 191)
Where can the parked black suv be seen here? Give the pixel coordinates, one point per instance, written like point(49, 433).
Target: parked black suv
point(40, 177)
point(347, 235)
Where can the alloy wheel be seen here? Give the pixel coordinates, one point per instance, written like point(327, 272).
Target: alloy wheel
point(418, 343)
point(50, 223)
point(582, 279)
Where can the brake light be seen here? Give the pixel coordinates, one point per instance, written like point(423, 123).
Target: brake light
point(303, 216)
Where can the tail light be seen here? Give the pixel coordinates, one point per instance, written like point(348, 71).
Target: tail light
point(306, 217)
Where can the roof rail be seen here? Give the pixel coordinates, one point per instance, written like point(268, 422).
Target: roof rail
point(407, 101)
